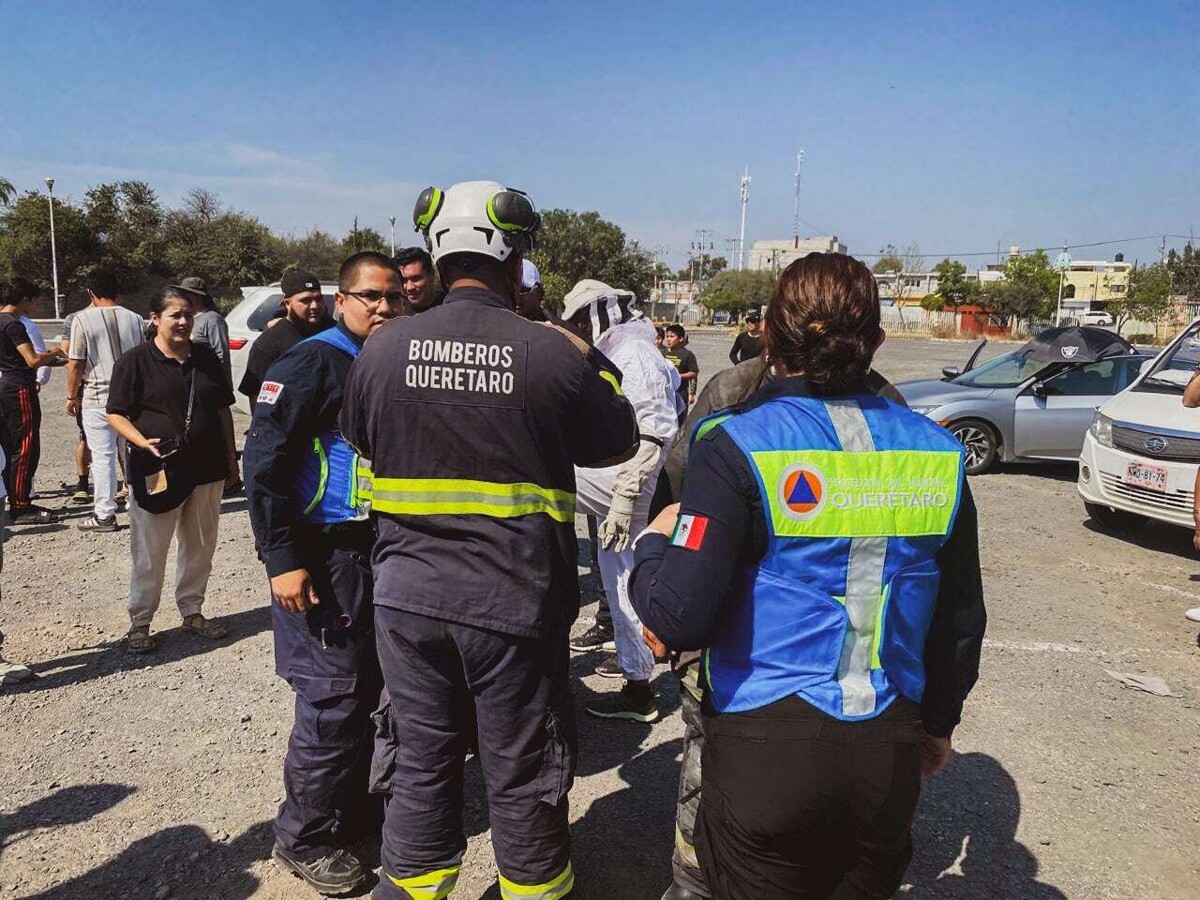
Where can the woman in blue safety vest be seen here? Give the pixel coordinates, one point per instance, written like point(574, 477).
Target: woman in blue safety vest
point(825, 557)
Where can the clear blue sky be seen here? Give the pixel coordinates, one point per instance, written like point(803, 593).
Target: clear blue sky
point(953, 124)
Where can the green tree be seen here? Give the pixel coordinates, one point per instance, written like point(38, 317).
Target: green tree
point(702, 268)
point(1148, 297)
point(889, 261)
point(574, 246)
point(1029, 290)
point(360, 239)
point(227, 249)
point(126, 221)
point(7, 191)
point(1185, 272)
point(317, 252)
point(25, 241)
point(953, 288)
point(736, 291)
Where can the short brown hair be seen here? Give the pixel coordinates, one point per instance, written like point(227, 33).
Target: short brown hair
point(823, 320)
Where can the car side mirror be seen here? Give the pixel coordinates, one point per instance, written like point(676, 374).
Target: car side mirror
point(1039, 389)
point(949, 372)
point(1145, 367)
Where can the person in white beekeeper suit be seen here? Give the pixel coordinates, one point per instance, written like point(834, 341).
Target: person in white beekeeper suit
point(619, 496)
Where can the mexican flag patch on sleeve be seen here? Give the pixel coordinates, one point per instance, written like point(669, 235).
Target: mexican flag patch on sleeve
point(689, 532)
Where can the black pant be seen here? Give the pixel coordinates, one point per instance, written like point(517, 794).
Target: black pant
point(797, 805)
point(327, 655)
point(20, 431)
point(435, 672)
point(603, 613)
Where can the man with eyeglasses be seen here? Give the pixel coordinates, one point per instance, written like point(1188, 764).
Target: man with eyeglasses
point(309, 494)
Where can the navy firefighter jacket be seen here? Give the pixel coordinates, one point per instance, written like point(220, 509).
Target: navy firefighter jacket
point(299, 401)
point(474, 419)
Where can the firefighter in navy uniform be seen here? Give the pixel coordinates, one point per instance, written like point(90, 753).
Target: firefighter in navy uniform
point(308, 494)
point(473, 418)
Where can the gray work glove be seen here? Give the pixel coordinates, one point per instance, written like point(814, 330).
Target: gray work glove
point(628, 483)
point(613, 532)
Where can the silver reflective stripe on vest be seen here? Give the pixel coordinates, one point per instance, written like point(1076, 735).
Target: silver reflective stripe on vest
point(864, 578)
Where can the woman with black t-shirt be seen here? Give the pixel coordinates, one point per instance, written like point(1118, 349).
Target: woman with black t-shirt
point(170, 400)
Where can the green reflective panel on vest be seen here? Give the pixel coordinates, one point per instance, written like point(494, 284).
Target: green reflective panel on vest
point(833, 493)
point(709, 424)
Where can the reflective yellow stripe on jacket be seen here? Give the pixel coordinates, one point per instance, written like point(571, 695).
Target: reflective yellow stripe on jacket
point(462, 496)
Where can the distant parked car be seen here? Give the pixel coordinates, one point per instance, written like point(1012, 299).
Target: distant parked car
point(247, 321)
point(1035, 403)
point(1097, 317)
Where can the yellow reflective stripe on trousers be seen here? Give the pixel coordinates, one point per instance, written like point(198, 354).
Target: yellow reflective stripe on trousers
point(430, 886)
point(462, 496)
point(550, 890)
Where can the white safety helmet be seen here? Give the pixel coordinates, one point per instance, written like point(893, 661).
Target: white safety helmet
point(480, 217)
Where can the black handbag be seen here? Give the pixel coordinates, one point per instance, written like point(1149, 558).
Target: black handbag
point(160, 485)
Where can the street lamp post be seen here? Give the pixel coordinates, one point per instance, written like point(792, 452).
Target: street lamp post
point(53, 250)
point(392, 219)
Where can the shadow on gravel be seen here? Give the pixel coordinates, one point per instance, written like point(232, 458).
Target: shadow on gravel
point(109, 657)
point(182, 862)
point(68, 806)
point(965, 837)
point(1157, 536)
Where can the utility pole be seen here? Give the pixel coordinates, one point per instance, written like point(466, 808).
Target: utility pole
point(392, 219)
point(796, 214)
point(744, 197)
point(53, 250)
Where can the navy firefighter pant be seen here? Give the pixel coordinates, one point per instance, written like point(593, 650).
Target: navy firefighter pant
point(327, 655)
point(435, 673)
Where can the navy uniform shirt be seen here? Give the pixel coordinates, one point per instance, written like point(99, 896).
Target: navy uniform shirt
point(681, 594)
point(299, 399)
point(469, 413)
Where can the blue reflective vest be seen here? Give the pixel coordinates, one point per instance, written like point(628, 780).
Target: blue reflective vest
point(331, 483)
point(859, 496)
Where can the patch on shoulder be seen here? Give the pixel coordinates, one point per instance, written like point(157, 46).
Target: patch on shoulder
point(269, 392)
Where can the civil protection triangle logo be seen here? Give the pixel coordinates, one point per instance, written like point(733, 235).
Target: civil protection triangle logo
point(801, 491)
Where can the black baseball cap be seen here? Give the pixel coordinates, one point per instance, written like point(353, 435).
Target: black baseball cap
point(298, 282)
point(753, 316)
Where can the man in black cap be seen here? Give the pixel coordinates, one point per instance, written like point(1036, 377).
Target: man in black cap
point(209, 325)
point(749, 343)
point(304, 313)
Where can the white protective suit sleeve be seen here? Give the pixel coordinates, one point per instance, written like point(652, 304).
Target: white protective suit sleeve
point(647, 384)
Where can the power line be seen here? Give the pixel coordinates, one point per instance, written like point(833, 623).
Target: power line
point(1048, 248)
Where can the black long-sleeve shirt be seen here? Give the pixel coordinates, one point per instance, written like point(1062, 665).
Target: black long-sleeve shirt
point(745, 346)
point(681, 594)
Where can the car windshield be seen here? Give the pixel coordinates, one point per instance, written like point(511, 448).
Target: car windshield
point(1005, 371)
point(1178, 364)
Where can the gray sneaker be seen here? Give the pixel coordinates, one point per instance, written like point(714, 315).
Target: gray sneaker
point(330, 872)
point(609, 668)
point(13, 673)
point(95, 523)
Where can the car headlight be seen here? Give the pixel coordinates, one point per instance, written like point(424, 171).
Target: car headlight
point(1102, 429)
point(923, 410)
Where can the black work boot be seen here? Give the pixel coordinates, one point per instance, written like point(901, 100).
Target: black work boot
point(329, 872)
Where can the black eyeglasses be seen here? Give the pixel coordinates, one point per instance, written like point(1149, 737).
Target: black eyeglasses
point(374, 298)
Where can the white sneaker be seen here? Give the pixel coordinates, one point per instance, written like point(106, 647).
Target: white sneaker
point(12, 673)
point(1193, 614)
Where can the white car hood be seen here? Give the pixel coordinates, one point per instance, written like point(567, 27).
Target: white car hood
point(1152, 410)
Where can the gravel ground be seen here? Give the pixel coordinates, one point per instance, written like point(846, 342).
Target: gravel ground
point(155, 777)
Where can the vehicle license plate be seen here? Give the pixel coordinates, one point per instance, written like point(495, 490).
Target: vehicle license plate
point(1147, 476)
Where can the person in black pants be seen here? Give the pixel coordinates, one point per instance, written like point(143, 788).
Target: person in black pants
point(20, 410)
point(841, 624)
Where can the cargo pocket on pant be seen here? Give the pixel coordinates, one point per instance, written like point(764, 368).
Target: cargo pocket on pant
point(557, 773)
point(383, 759)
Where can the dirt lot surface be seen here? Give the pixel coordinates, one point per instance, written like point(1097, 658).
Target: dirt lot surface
point(155, 777)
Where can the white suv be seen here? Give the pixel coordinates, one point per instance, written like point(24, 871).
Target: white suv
point(1140, 455)
point(246, 322)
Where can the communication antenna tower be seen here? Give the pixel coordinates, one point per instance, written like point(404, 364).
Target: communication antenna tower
point(744, 197)
point(796, 214)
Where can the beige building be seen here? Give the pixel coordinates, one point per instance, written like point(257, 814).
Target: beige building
point(774, 256)
point(1090, 284)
